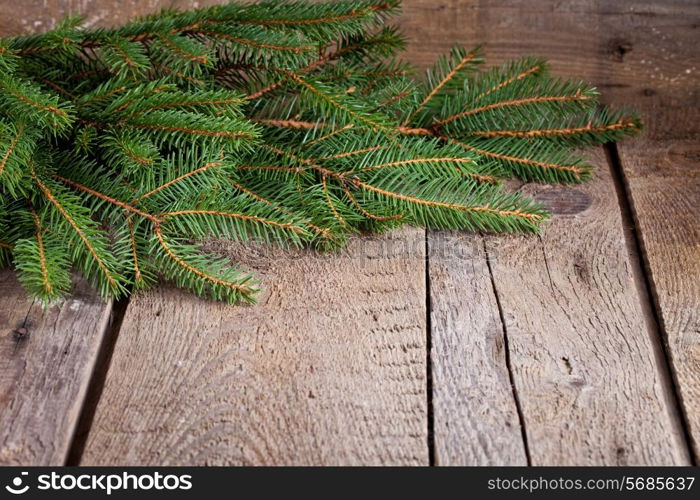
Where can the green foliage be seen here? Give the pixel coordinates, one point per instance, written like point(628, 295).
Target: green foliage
point(287, 122)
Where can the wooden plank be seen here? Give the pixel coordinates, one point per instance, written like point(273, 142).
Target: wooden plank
point(583, 39)
point(586, 369)
point(659, 74)
point(666, 210)
point(45, 374)
point(475, 419)
point(584, 366)
point(329, 368)
point(358, 342)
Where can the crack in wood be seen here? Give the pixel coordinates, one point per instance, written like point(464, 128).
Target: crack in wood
point(97, 381)
point(649, 300)
point(506, 349)
point(428, 357)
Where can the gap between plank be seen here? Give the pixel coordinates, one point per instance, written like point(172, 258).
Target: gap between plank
point(648, 298)
point(428, 356)
point(97, 382)
point(506, 348)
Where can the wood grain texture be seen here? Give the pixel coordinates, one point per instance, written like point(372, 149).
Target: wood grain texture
point(475, 419)
point(660, 75)
point(44, 376)
point(370, 377)
point(664, 182)
point(328, 369)
point(585, 369)
point(640, 53)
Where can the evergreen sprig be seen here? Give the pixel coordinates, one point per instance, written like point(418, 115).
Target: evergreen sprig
point(288, 122)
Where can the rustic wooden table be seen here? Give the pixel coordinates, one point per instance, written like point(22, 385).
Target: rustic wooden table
point(580, 346)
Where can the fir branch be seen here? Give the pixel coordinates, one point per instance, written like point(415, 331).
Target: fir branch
point(257, 44)
point(170, 42)
point(113, 283)
point(56, 87)
point(331, 205)
point(360, 45)
point(355, 152)
point(41, 262)
point(273, 168)
point(577, 172)
point(203, 168)
point(335, 102)
point(138, 278)
point(577, 96)
point(329, 135)
point(179, 74)
point(109, 199)
point(293, 124)
point(252, 218)
point(188, 103)
point(531, 69)
point(95, 98)
point(456, 68)
point(416, 131)
point(325, 233)
point(482, 178)
point(239, 288)
point(419, 161)
point(368, 214)
point(353, 14)
point(12, 147)
point(530, 217)
point(286, 122)
point(559, 132)
point(25, 98)
point(48, 289)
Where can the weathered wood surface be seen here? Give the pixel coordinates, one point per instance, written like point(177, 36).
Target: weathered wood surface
point(329, 368)
point(635, 52)
point(586, 369)
point(358, 397)
point(44, 374)
point(586, 372)
point(475, 419)
point(664, 179)
point(659, 74)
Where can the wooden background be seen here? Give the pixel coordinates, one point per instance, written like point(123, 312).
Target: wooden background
point(579, 346)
